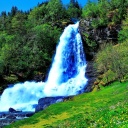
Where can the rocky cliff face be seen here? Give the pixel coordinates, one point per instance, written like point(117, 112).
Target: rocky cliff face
point(93, 39)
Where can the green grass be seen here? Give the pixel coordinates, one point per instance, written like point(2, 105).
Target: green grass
point(107, 108)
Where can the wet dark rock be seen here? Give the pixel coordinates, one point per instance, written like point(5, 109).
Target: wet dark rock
point(7, 118)
point(39, 77)
point(47, 101)
point(12, 110)
point(5, 122)
point(11, 117)
point(91, 74)
point(29, 114)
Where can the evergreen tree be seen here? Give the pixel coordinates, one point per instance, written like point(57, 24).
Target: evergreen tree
point(14, 10)
point(55, 10)
point(3, 21)
point(72, 2)
point(74, 10)
point(122, 9)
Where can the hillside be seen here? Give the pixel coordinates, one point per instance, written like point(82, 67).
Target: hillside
point(107, 107)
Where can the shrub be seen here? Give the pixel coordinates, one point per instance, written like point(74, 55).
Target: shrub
point(112, 62)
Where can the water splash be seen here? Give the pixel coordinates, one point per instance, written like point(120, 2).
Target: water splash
point(66, 76)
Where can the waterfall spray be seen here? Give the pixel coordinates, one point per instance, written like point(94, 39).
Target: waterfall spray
point(66, 76)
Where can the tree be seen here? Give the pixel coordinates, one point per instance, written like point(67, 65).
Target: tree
point(37, 15)
point(18, 23)
point(90, 10)
point(14, 10)
point(122, 9)
point(72, 2)
point(74, 10)
point(3, 20)
point(5, 50)
point(56, 12)
point(123, 34)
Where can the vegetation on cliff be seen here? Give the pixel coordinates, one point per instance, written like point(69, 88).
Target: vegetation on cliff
point(113, 62)
point(105, 12)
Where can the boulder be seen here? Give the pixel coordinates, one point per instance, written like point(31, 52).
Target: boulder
point(12, 110)
point(47, 101)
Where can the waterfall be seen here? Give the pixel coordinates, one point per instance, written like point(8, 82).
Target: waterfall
point(66, 76)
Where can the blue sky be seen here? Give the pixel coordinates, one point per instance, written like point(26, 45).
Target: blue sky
point(6, 5)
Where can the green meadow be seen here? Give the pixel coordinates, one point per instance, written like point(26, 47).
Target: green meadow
point(107, 108)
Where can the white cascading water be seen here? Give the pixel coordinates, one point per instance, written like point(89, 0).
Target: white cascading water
point(66, 76)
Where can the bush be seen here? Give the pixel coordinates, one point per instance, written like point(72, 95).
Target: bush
point(112, 62)
point(123, 34)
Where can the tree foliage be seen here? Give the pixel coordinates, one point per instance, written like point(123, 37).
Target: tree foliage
point(74, 10)
point(112, 62)
point(105, 12)
point(123, 34)
point(28, 39)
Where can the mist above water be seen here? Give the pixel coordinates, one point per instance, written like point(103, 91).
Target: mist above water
point(66, 76)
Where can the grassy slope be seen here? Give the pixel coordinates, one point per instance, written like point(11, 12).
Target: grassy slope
point(105, 108)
